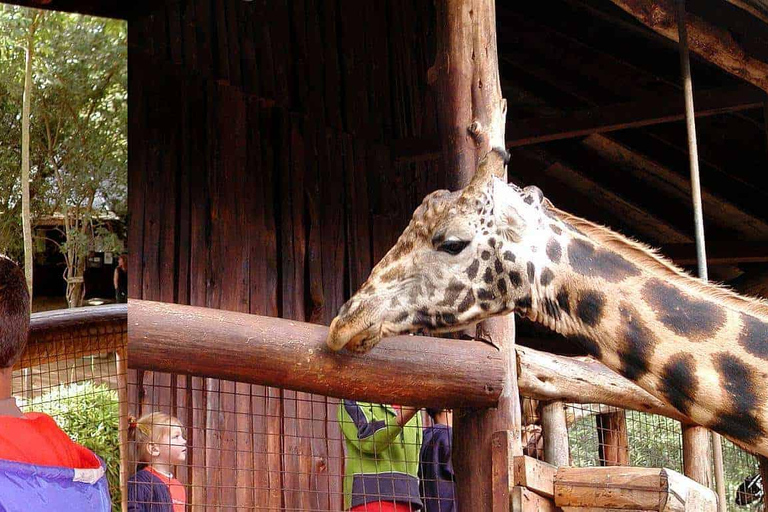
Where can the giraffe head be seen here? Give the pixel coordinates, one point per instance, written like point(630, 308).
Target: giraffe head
point(465, 256)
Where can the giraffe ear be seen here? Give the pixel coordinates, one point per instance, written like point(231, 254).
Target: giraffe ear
point(506, 216)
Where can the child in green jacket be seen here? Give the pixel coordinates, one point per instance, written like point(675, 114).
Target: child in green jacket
point(382, 463)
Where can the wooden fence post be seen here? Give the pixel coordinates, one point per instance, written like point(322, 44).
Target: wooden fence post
point(468, 93)
point(612, 438)
point(555, 432)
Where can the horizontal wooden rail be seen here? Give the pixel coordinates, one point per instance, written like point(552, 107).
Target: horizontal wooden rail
point(409, 370)
point(414, 370)
point(70, 333)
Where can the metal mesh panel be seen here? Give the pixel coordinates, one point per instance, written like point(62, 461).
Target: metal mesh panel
point(256, 448)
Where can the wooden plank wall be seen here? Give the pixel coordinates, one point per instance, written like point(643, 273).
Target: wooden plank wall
point(261, 181)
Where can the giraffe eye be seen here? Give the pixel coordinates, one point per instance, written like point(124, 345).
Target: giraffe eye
point(452, 247)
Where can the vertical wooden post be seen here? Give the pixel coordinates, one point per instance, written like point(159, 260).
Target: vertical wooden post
point(468, 93)
point(555, 432)
point(612, 438)
point(121, 363)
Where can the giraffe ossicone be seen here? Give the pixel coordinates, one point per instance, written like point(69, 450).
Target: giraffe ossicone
point(493, 248)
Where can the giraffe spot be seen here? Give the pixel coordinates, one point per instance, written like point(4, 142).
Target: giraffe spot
point(498, 266)
point(754, 336)
point(393, 274)
point(492, 242)
point(395, 302)
point(546, 277)
point(502, 284)
point(508, 256)
point(556, 229)
point(736, 378)
point(687, 316)
point(745, 428)
point(524, 302)
point(402, 317)
point(485, 255)
point(515, 278)
point(589, 307)
point(679, 383)
point(484, 294)
point(562, 300)
point(551, 308)
point(490, 223)
point(422, 318)
point(554, 251)
point(528, 200)
point(467, 302)
point(415, 293)
point(447, 319)
point(531, 271)
point(488, 275)
point(639, 345)
point(455, 287)
point(400, 250)
point(590, 345)
point(472, 269)
point(485, 306)
point(590, 261)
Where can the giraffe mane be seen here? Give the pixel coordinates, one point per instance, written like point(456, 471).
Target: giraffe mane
point(650, 259)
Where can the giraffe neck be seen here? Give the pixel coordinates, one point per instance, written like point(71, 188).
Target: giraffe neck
point(695, 346)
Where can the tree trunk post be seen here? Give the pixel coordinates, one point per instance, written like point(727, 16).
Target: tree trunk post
point(613, 443)
point(26, 217)
point(472, 116)
point(555, 432)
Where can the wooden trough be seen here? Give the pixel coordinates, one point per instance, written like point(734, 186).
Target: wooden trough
point(535, 486)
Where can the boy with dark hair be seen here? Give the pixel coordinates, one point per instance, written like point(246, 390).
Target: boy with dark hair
point(438, 487)
point(41, 468)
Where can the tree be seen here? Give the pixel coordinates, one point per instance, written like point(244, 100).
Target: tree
point(26, 218)
point(78, 133)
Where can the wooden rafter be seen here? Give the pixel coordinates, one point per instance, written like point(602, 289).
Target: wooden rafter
point(714, 44)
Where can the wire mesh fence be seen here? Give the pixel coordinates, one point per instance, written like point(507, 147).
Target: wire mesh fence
point(249, 447)
point(73, 370)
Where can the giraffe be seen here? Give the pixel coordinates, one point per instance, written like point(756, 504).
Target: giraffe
point(494, 248)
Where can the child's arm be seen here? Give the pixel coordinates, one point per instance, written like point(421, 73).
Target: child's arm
point(367, 435)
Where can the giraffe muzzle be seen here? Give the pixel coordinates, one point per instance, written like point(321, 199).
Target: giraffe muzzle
point(355, 336)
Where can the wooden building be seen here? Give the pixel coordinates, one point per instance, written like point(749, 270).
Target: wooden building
point(278, 148)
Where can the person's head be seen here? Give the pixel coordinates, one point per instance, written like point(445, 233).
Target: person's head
point(14, 312)
point(158, 439)
point(122, 260)
point(441, 416)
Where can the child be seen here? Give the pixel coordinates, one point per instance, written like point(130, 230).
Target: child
point(159, 445)
point(41, 468)
point(438, 485)
point(382, 449)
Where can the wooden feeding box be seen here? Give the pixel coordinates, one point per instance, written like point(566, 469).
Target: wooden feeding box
point(629, 488)
point(536, 486)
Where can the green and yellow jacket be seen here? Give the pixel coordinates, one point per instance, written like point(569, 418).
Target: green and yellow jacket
point(382, 462)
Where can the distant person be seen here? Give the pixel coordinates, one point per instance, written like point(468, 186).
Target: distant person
point(121, 279)
point(750, 491)
point(382, 457)
point(438, 482)
point(159, 445)
point(41, 468)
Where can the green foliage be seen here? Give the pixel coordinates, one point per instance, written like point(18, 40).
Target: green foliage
point(78, 150)
point(89, 413)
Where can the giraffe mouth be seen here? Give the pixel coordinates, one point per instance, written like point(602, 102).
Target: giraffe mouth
point(355, 339)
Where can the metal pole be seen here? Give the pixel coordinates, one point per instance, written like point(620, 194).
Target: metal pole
point(701, 254)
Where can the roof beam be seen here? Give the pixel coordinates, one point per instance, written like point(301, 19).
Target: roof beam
point(710, 42)
point(646, 112)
